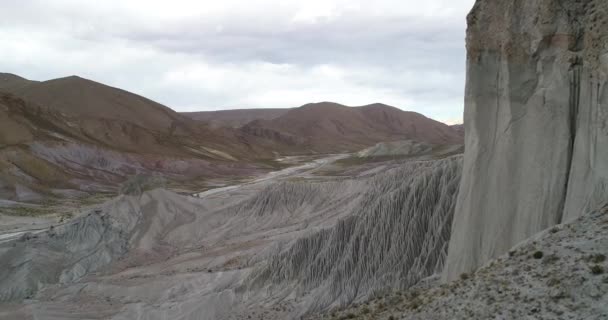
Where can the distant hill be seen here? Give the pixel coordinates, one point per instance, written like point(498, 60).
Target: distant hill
point(10, 82)
point(84, 98)
point(235, 118)
point(331, 127)
point(118, 119)
point(65, 136)
point(459, 128)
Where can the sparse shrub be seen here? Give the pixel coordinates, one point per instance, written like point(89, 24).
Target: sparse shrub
point(537, 255)
point(550, 258)
point(414, 304)
point(598, 258)
point(138, 184)
point(464, 276)
point(553, 282)
point(350, 316)
point(597, 269)
point(365, 310)
point(391, 318)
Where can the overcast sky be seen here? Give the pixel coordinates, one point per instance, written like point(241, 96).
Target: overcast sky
point(207, 55)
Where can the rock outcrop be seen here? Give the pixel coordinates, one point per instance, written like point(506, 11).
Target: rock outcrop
point(536, 121)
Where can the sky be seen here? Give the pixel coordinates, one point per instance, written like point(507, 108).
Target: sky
point(195, 55)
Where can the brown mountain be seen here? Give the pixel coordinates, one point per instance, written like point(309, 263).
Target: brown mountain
point(84, 98)
point(11, 82)
point(65, 136)
point(459, 128)
point(235, 118)
point(72, 134)
point(331, 127)
point(118, 119)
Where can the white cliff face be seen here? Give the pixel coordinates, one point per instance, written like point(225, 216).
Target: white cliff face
point(536, 120)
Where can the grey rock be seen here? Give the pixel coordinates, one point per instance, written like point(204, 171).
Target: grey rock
point(536, 123)
point(397, 235)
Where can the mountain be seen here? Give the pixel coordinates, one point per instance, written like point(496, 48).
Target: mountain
point(117, 119)
point(458, 128)
point(331, 127)
point(235, 118)
point(90, 101)
point(70, 135)
point(84, 98)
point(11, 82)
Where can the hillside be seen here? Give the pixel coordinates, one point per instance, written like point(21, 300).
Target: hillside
point(45, 153)
point(68, 135)
point(116, 119)
point(11, 82)
point(276, 248)
point(235, 118)
point(65, 136)
point(84, 98)
point(409, 149)
point(558, 274)
point(459, 128)
point(331, 127)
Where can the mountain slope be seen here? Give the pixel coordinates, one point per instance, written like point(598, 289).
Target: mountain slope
point(331, 127)
point(11, 82)
point(72, 134)
point(81, 97)
point(45, 153)
point(117, 119)
point(557, 274)
point(236, 117)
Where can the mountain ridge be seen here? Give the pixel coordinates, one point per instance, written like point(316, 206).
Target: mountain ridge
point(318, 126)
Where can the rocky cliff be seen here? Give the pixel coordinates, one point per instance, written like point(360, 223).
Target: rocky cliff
point(536, 122)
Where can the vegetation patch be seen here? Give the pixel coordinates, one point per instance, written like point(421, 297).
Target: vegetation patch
point(28, 211)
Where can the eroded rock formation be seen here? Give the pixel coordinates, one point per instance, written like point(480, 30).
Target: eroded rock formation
point(536, 120)
point(397, 235)
point(269, 249)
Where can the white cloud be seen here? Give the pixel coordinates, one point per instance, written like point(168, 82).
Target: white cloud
point(192, 54)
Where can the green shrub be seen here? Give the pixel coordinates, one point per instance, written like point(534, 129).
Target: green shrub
point(597, 269)
point(138, 184)
point(598, 258)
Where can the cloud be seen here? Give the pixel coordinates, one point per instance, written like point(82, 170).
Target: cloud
point(195, 55)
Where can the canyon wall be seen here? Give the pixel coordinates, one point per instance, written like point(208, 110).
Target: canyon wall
point(536, 122)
